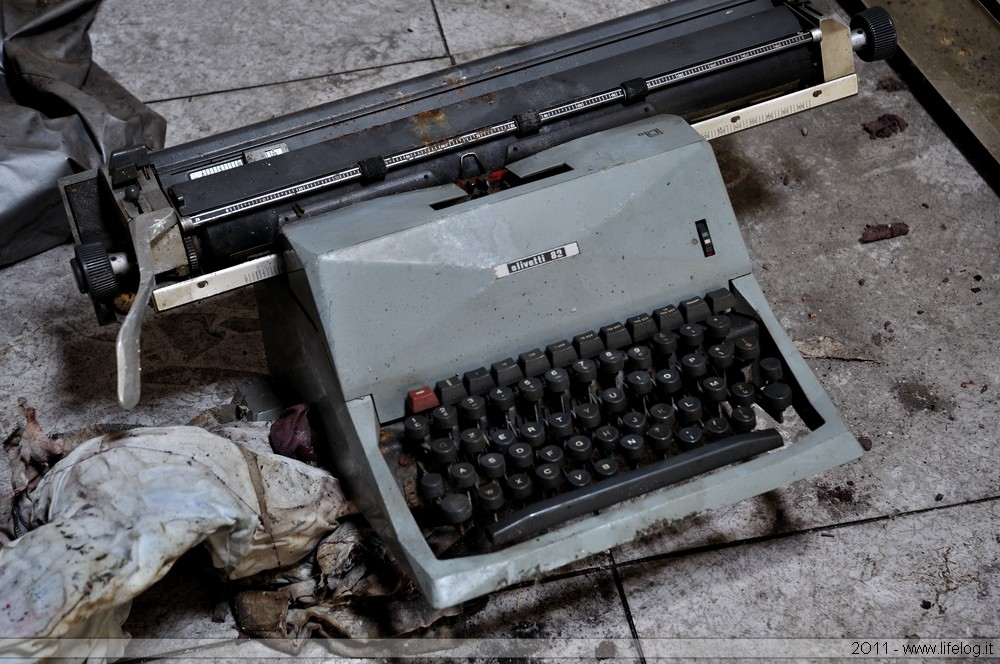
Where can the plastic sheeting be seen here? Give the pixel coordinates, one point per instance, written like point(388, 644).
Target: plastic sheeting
point(60, 114)
point(111, 518)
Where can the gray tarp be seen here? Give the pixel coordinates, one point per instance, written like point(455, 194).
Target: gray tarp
point(59, 114)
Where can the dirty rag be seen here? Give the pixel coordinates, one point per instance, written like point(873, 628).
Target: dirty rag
point(110, 519)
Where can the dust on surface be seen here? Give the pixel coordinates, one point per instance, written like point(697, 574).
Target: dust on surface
point(915, 397)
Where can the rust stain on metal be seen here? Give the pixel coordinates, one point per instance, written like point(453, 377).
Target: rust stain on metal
point(430, 125)
point(428, 117)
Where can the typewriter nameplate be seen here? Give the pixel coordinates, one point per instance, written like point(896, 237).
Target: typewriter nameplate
point(535, 260)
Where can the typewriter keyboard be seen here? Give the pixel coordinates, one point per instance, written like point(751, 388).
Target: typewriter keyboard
point(556, 433)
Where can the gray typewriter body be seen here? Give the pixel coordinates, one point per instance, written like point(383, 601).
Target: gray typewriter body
point(376, 275)
point(389, 294)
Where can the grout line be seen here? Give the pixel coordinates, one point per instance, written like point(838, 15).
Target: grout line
point(437, 17)
point(260, 86)
point(628, 610)
point(794, 533)
point(614, 565)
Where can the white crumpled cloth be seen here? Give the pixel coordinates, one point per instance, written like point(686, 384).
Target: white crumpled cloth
point(110, 519)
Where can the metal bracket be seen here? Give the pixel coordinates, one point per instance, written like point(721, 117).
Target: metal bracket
point(144, 229)
point(220, 281)
point(774, 109)
point(836, 49)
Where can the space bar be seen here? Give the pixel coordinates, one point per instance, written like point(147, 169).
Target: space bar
point(629, 484)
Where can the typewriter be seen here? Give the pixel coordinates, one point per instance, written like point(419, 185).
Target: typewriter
point(515, 291)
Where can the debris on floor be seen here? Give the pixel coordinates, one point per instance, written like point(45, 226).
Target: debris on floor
point(292, 436)
point(113, 515)
point(836, 493)
point(876, 232)
point(885, 126)
point(825, 347)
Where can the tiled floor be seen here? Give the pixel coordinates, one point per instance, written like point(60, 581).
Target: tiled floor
point(904, 542)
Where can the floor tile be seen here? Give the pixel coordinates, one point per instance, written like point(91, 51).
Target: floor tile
point(54, 355)
point(934, 574)
point(504, 23)
point(923, 389)
point(190, 602)
point(917, 312)
point(169, 50)
point(583, 606)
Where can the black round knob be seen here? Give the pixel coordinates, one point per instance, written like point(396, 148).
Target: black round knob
point(694, 365)
point(639, 383)
point(777, 397)
point(457, 508)
point(588, 415)
point(444, 450)
point(880, 33)
point(432, 486)
point(743, 418)
point(490, 496)
point(605, 468)
point(444, 418)
point(605, 438)
point(659, 437)
point(531, 390)
point(713, 388)
point(664, 343)
point(502, 439)
point(718, 327)
point(770, 369)
point(613, 400)
point(472, 442)
point(521, 456)
point(578, 448)
point(634, 422)
point(532, 433)
point(717, 428)
point(416, 428)
point(472, 408)
point(631, 446)
point(519, 486)
point(548, 476)
point(689, 408)
point(610, 362)
point(639, 358)
point(559, 425)
point(661, 413)
point(668, 382)
point(578, 478)
point(551, 454)
point(742, 394)
point(691, 334)
point(92, 270)
point(584, 372)
point(462, 475)
point(492, 465)
point(689, 438)
point(721, 356)
point(746, 349)
point(501, 399)
point(557, 380)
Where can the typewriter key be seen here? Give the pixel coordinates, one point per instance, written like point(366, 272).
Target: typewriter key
point(519, 486)
point(457, 508)
point(578, 478)
point(743, 419)
point(492, 465)
point(578, 448)
point(490, 496)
